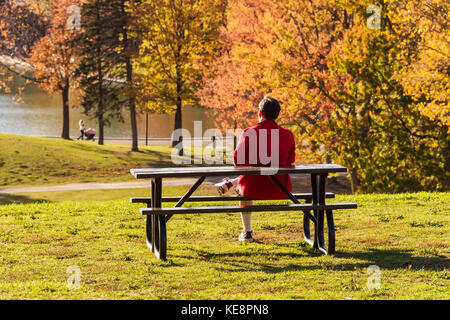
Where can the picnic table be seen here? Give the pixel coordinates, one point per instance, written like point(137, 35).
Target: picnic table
point(157, 217)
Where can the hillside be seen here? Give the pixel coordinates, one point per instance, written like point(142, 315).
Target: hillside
point(26, 160)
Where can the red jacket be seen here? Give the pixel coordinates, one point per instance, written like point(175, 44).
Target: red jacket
point(247, 153)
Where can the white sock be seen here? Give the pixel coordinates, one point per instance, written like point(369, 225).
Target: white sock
point(247, 221)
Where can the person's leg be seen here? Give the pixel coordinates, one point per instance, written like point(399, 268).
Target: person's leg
point(246, 217)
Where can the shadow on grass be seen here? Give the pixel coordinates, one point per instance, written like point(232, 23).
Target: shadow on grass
point(389, 259)
point(157, 158)
point(13, 198)
point(91, 146)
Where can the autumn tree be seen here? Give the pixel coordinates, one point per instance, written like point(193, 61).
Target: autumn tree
point(341, 84)
point(426, 75)
point(20, 28)
point(177, 38)
point(54, 59)
point(229, 92)
point(281, 48)
point(39, 49)
point(378, 129)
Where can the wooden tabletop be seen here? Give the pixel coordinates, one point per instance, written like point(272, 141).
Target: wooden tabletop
point(208, 171)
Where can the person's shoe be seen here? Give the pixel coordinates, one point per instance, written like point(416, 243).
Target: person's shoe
point(246, 236)
point(237, 190)
point(224, 187)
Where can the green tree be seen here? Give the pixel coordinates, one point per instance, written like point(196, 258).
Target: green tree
point(102, 67)
point(128, 50)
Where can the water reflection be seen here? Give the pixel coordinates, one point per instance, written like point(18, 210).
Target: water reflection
point(40, 114)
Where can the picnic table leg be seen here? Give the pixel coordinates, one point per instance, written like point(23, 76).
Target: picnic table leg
point(320, 214)
point(306, 228)
point(150, 237)
point(157, 224)
point(315, 200)
point(319, 239)
point(331, 233)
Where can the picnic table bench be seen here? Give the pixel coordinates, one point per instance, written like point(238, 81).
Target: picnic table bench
point(157, 217)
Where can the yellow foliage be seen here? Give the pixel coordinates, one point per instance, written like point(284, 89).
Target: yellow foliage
point(426, 78)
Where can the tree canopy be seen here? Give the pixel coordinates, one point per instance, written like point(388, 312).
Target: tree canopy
point(362, 83)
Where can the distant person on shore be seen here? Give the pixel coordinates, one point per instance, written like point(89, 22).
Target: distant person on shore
point(82, 129)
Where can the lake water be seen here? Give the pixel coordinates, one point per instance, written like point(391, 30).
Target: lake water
point(40, 114)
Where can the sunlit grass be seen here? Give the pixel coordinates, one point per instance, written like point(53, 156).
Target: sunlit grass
point(406, 235)
point(26, 161)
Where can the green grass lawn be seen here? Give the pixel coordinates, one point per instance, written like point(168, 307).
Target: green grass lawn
point(30, 161)
point(406, 235)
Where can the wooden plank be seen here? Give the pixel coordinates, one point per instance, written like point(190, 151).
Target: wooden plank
point(208, 171)
point(261, 208)
point(303, 196)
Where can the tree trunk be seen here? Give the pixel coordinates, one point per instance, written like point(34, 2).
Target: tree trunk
point(446, 153)
point(132, 105)
point(355, 181)
point(234, 136)
point(100, 111)
point(131, 99)
point(101, 122)
point(101, 130)
point(178, 125)
point(178, 122)
point(66, 123)
point(178, 118)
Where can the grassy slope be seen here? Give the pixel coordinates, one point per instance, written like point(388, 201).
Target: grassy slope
point(406, 235)
point(28, 160)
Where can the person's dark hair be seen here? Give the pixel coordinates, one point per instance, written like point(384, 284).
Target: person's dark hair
point(270, 108)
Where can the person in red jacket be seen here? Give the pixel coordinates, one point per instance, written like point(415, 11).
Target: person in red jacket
point(264, 145)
